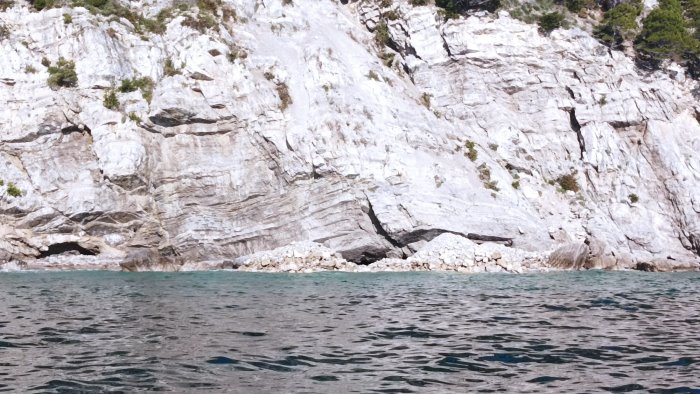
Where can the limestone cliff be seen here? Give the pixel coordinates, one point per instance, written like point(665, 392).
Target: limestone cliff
point(288, 122)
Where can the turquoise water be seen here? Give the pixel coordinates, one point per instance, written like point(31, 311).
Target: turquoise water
point(339, 332)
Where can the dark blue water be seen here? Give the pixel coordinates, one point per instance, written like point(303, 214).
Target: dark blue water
point(318, 333)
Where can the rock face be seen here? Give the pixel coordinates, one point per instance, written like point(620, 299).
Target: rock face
point(289, 124)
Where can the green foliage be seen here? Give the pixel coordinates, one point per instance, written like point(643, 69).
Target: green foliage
point(29, 69)
point(134, 117)
point(144, 84)
point(418, 2)
point(62, 74)
point(692, 13)
point(42, 4)
point(67, 19)
point(633, 198)
point(13, 190)
point(2, 183)
point(169, 68)
point(619, 23)
point(114, 9)
point(485, 176)
point(206, 17)
point(453, 8)
point(493, 147)
point(550, 21)
point(472, 154)
point(110, 100)
point(381, 34)
point(576, 5)
point(568, 182)
point(665, 33)
point(515, 184)
point(391, 15)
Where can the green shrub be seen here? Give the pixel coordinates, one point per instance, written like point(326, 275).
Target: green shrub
point(67, 19)
point(633, 198)
point(144, 84)
point(391, 15)
point(493, 147)
point(134, 117)
point(418, 2)
point(485, 176)
point(619, 23)
point(381, 34)
point(29, 69)
point(42, 4)
point(568, 182)
point(472, 154)
point(2, 183)
point(550, 21)
point(110, 100)
point(169, 68)
point(515, 184)
point(575, 5)
point(13, 190)
point(665, 34)
point(62, 74)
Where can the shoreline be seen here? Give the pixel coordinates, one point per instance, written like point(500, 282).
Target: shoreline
point(446, 253)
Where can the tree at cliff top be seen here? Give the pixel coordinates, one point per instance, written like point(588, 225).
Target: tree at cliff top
point(619, 23)
point(666, 35)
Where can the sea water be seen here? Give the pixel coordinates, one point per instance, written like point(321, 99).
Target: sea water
point(341, 332)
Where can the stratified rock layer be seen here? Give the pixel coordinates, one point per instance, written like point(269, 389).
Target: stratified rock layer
point(367, 157)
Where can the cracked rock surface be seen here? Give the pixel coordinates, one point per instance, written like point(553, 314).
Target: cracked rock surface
point(366, 157)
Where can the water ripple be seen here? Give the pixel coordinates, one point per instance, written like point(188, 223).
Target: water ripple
point(381, 333)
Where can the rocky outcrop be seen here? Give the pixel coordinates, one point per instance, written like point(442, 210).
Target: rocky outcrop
point(317, 134)
point(447, 252)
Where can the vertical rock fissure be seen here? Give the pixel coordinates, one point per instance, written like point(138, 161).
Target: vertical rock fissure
point(378, 226)
point(576, 127)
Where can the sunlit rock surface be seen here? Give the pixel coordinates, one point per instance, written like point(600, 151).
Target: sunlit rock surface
point(365, 156)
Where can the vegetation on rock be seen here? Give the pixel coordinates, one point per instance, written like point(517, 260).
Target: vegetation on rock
point(62, 75)
point(110, 100)
point(144, 84)
point(619, 23)
point(568, 182)
point(13, 190)
point(550, 21)
point(666, 33)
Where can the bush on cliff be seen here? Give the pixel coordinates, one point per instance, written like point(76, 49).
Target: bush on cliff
point(619, 23)
point(665, 34)
point(62, 75)
point(13, 190)
point(453, 8)
point(550, 21)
